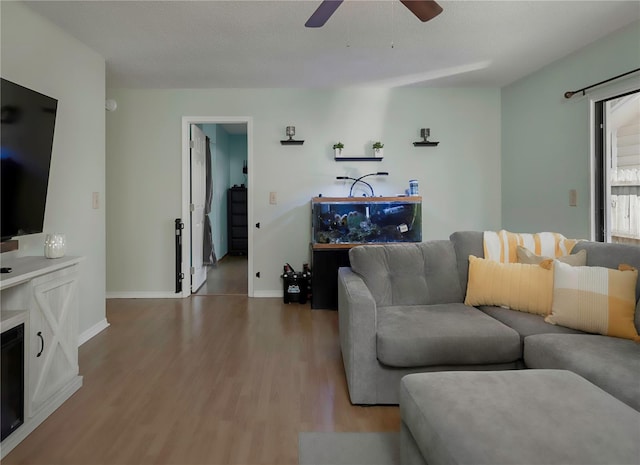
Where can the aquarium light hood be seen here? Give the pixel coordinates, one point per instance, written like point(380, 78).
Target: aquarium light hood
point(357, 180)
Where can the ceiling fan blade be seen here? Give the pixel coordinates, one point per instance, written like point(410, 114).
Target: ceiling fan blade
point(323, 13)
point(423, 9)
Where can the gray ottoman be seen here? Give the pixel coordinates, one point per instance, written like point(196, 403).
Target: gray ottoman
point(514, 417)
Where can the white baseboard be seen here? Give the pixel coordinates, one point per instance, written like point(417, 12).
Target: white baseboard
point(271, 293)
point(95, 329)
point(143, 295)
point(171, 295)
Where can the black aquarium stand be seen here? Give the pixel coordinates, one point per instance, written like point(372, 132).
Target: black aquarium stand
point(325, 261)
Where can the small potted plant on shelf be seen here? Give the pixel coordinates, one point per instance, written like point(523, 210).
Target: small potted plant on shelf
point(337, 148)
point(377, 149)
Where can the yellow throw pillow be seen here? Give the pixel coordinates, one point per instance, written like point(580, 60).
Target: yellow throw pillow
point(527, 256)
point(527, 288)
point(595, 299)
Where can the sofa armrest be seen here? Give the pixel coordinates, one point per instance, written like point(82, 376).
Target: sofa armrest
point(357, 327)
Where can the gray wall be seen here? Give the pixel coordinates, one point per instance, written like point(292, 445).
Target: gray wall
point(40, 56)
point(459, 180)
point(546, 138)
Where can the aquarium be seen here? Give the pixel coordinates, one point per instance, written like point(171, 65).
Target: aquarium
point(365, 220)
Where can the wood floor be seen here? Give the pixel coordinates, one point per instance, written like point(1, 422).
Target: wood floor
point(203, 380)
point(228, 277)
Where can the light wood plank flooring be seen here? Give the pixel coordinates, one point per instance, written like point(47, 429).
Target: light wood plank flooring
point(228, 277)
point(203, 380)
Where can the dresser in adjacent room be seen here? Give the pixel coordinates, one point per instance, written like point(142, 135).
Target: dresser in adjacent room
point(237, 220)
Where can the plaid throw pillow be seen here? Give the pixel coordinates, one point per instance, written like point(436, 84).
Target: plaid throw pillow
point(595, 299)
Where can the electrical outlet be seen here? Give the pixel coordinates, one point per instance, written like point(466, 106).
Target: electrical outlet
point(573, 198)
point(273, 198)
point(95, 200)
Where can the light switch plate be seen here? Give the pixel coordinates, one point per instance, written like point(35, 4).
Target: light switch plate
point(573, 198)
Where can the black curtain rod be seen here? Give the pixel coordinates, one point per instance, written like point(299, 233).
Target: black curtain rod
point(571, 93)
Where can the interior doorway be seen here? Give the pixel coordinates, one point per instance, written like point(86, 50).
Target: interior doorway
point(230, 273)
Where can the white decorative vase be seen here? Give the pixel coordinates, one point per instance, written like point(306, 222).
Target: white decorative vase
point(55, 245)
point(378, 153)
point(338, 153)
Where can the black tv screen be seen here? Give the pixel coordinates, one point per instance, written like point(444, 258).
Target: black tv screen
point(28, 123)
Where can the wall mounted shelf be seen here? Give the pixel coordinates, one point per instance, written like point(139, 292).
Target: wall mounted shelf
point(358, 158)
point(425, 144)
point(291, 142)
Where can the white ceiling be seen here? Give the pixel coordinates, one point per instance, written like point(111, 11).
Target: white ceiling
point(264, 44)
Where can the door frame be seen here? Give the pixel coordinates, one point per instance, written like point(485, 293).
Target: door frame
point(197, 217)
point(187, 121)
point(611, 91)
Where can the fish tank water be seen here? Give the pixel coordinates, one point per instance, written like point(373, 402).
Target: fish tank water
point(365, 220)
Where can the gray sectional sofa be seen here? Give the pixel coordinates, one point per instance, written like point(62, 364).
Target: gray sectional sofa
point(401, 311)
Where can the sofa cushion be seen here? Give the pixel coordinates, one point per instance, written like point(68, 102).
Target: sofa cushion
point(516, 417)
point(451, 334)
point(527, 288)
point(466, 243)
point(608, 362)
point(409, 274)
point(595, 299)
point(526, 324)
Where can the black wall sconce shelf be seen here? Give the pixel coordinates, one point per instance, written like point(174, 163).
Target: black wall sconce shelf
point(425, 133)
point(425, 144)
point(358, 158)
point(291, 131)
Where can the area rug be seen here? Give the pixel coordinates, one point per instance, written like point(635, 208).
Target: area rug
point(349, 448)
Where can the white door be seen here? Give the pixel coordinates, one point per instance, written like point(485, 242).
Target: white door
point(198, 193)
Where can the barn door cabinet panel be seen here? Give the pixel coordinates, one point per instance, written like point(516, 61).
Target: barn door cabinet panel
point(54, 335)
point(42, 293)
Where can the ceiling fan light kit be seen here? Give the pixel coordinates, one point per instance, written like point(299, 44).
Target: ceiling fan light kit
point(424, 10)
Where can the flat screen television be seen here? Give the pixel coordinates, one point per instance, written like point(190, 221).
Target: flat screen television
point(28, 124)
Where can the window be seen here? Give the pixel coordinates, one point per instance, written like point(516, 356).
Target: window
point(616, 171)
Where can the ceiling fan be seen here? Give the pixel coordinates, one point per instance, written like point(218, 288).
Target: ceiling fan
point(423, 9)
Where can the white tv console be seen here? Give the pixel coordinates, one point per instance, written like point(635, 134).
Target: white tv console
point(43, 294)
